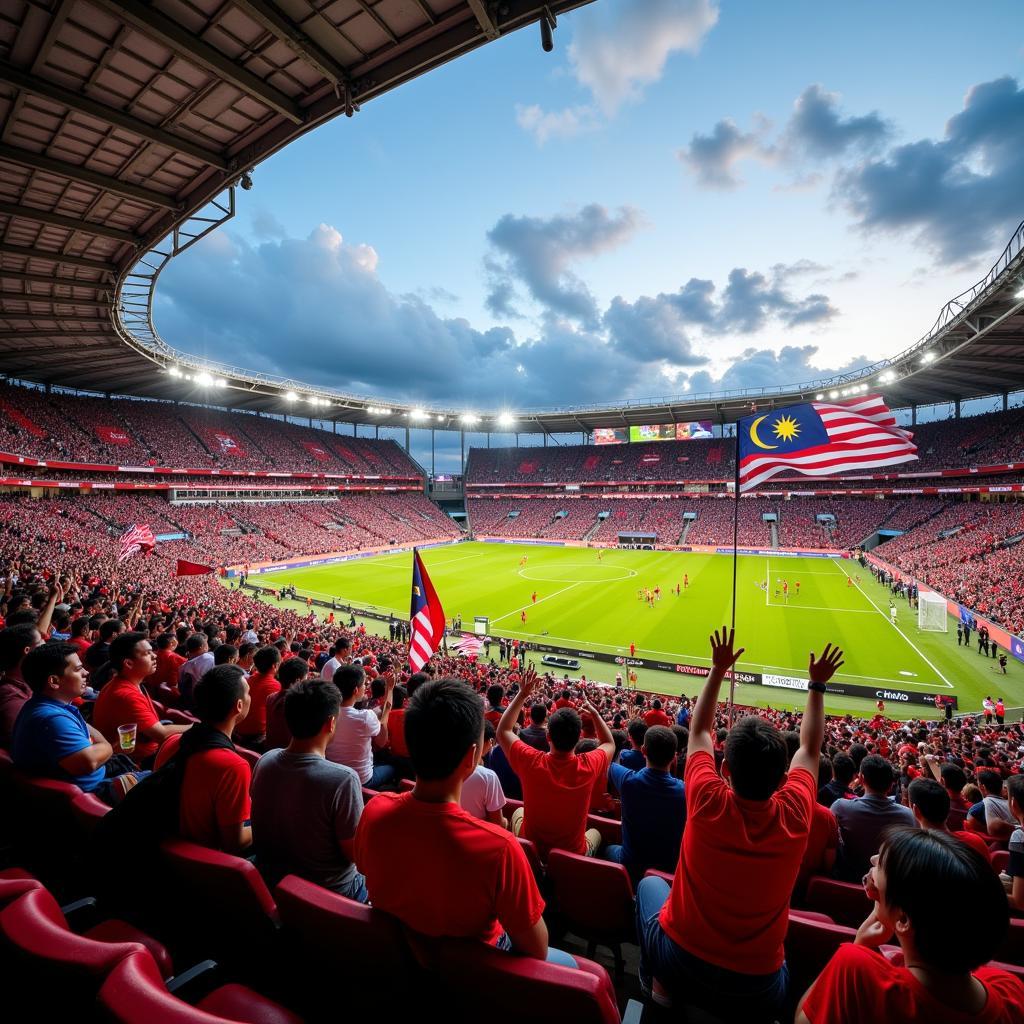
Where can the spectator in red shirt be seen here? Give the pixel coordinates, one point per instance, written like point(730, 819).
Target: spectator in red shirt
point(930, 804)
point(15, 643)
point(214, 808)
point(557, 785)
point(163, 683)
point(495, 709)
point(656, 716)
point(822, 842)
point(252, 730)
point(716, 937)
point(480, 884)
point(123, 701)
point(289, 672)
point(946, 908)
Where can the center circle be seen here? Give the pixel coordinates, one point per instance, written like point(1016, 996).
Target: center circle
point(596, 572)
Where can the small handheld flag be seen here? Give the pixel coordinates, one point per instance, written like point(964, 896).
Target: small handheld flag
point(135, 539)
point(426, 616)
point(820, 439)
point(187, 568)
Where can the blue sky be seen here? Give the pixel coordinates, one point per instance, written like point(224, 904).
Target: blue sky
point(683, 195)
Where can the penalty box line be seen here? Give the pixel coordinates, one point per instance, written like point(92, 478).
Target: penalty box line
point(913, 646)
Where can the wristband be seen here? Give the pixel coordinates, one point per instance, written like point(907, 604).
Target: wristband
point(817, 687)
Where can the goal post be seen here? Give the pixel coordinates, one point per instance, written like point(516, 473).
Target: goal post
point(931, 612)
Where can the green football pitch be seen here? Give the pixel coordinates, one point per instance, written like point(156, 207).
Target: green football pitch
point(590, 603)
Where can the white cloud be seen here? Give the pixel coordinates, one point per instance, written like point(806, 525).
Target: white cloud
point(556, 124)
point(620, 48)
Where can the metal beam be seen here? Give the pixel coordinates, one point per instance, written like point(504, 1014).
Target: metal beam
point(57, 300)
point(15, 335)
point(57, 318)
point(6, 249)
point(71, 223)
point(486, 22)
point(84, 105)
point(381, 23)
point(283, 28)
point(153, 23)
point(41, 162)
point(65, 282)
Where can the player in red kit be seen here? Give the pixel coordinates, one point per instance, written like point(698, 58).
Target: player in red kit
point(797, 588)
point(632, 650)
point(522, 616)
point(533, 597)
point(686, 581)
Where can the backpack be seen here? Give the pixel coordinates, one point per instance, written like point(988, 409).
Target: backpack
point(149, 811)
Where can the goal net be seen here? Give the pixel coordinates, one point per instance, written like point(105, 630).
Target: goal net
point(931, 612)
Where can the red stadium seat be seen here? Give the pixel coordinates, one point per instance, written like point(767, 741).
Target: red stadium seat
point(321, 929)
point(221, 905)
point(251, 756)
point(533, 857)
point(477, 979)
point(654, 873)
point(88, 811)
point(1001, 860)
point(134, 992)
point(595, 900)
point(610, 829)
point(40, 953)
point(1012, 950)
point(811, 939)
point(844, 902)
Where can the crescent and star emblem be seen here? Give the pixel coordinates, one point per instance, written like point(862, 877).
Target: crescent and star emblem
point(755, 438)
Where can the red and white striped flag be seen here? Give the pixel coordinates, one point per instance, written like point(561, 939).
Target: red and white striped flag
point(821, 439)
point(426, 616)
point(469, 646)
point(135, 539)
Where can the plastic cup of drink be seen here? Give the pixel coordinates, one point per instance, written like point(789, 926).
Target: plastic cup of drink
point(126, 736)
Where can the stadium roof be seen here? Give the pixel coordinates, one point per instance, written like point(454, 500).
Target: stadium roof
point(128, 124)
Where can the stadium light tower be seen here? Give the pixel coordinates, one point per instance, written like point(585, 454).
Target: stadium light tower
point(204, 379)
point(506, 420)
point(470, 419)
point(290, 396)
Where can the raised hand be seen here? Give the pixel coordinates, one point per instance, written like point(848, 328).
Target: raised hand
point(722, 656)
point(529, 681)
point(822, 670)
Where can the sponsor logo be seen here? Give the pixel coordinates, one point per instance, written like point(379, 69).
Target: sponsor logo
point(892, 695)
point(786, 682)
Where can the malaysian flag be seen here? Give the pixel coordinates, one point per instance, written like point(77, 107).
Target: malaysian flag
point(820, 439)
point(135, 539)
point(426, 616)
point(469, 646)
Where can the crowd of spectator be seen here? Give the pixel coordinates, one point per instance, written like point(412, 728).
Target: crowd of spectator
point(738, 816)
point(129, 432)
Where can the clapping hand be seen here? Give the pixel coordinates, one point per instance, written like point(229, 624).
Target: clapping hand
point(822, 670)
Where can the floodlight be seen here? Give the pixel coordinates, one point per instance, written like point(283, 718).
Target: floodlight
point(290, 396)
point(819, 398)
point(246, 180)
point(928, 357)
point(470, 419)
point(833, 394)
point(220, 382)
point(174, 371)
point(204, 379)
point(417, 414)
point(506, 419)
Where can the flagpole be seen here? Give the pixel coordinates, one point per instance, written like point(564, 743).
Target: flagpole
point(735, 560)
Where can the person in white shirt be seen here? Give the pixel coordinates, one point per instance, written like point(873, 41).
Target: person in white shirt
point(342, 656)
point(200, 661)
point(359, 732)
point(482, 795)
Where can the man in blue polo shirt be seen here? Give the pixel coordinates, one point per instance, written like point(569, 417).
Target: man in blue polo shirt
point(52, 739)
point(653, 807)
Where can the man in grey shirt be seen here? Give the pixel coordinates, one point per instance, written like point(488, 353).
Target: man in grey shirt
point(863, 820)
point(305, 809)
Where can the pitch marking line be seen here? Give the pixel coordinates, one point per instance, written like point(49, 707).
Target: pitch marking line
point(533, 604)
point(819, 608)
point(748, 665)
point(914, 646)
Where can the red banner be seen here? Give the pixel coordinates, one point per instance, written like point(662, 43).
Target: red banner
point(22, 420)
point(113, 435)
point(187, 568)
point(318, 453)
point(226, 444)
